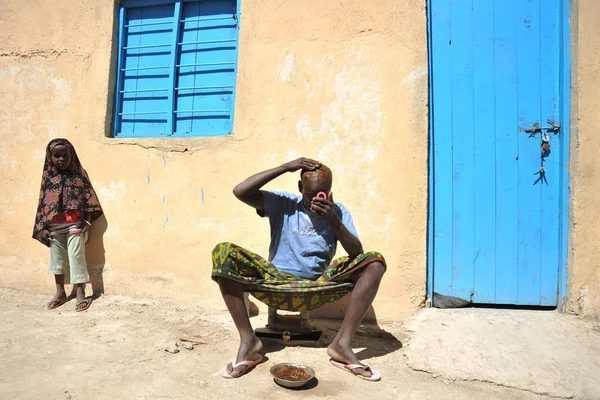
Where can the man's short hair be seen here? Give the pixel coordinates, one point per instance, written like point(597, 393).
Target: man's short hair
point(321, 176)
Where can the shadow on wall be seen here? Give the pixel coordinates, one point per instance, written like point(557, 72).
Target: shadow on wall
point(95, 255)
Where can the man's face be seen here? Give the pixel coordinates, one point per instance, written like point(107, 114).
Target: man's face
point(312, 183)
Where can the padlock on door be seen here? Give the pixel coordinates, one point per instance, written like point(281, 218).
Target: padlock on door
point(545, 145)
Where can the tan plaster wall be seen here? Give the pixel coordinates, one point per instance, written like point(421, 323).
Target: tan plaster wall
point(342, 82)
point(584, 260)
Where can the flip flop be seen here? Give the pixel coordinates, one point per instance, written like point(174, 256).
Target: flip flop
point(88, 303)
point(250, 363)
point(375, 376)
point(57, 303)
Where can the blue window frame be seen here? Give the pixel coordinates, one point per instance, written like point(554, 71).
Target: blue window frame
point(177, 67)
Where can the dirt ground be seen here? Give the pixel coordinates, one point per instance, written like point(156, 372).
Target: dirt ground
point(116, 350)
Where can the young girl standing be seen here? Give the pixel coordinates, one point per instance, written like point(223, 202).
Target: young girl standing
point(68, 204)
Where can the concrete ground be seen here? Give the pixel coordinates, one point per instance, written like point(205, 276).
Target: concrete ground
point(543, 352)
point(116, 350)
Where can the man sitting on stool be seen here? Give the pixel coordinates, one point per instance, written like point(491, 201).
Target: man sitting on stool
point(299, 274)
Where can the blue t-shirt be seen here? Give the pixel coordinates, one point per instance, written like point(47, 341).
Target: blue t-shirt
point(302, 243)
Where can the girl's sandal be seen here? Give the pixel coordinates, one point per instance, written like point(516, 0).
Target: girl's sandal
point(86, 304)
point(57, 303)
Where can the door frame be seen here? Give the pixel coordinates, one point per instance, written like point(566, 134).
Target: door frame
point(564, 163)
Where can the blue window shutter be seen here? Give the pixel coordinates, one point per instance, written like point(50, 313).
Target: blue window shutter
point(177, 66)
point(207, 68)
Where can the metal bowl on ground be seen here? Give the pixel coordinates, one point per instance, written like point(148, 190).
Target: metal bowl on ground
point(291, 375)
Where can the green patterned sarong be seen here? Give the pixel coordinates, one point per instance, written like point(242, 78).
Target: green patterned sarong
point(282, 290)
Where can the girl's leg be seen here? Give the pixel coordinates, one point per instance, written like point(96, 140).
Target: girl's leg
point(79, 271)
point(60, 297)
point(59, 280)
point(58, 261)
point(80, 294)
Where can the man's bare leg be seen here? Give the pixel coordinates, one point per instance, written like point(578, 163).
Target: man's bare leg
point(250, 344)
point(361, 299)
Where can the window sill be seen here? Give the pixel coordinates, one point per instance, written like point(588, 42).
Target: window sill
point(175, 145)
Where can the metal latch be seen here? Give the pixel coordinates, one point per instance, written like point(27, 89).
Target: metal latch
point(536, 128)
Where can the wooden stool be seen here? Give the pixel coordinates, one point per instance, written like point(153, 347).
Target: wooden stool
point(289, 327)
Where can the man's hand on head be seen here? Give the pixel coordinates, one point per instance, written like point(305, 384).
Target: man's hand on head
point(325, 208)
point(302, 163)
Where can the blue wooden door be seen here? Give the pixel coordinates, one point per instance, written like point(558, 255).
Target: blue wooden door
point(495, 186)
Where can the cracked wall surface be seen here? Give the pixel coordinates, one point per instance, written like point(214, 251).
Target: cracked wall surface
point(343, 82)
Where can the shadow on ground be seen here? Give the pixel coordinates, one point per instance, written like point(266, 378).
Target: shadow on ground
point(370, 338)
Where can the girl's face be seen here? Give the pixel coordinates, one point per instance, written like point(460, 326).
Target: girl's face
point(61, 157)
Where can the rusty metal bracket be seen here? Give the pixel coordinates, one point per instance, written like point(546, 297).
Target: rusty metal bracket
point(536, 128)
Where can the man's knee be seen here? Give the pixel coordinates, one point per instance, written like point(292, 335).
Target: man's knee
point(374, 271)
point(377, 268)
point(221, 246)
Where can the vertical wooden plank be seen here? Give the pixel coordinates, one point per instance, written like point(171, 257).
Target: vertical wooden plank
point(430, 180)
point(184, 99)
point(118, 106)
point(484, 142)
point(131, 60)
point(172, 96)
point(442, 145)
point(135, 75)
point(550, 192)
point(463, 251)
point(506, 172)
point(528, 82)
point(238, 18)
point(200, 56)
